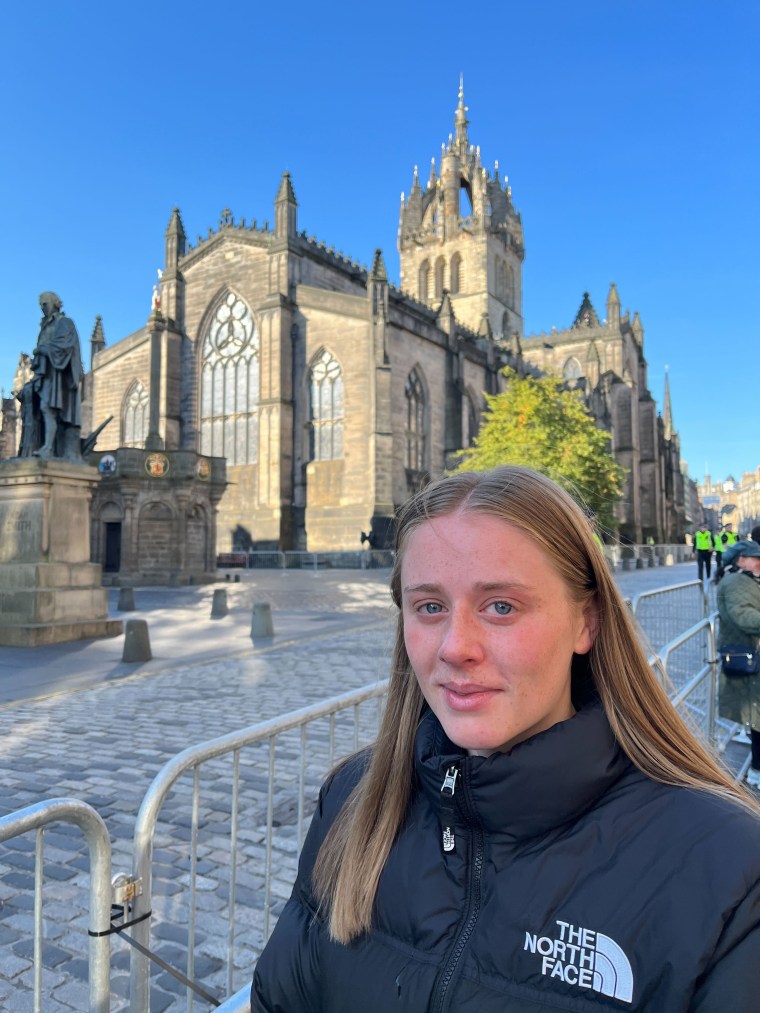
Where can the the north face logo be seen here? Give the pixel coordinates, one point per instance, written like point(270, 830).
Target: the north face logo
point(584, 958)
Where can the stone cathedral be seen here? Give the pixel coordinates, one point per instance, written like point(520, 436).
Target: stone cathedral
point(331, 394)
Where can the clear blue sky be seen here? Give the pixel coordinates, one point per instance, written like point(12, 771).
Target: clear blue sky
point(629, 131)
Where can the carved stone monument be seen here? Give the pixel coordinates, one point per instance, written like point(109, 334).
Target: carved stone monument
point(50, 592)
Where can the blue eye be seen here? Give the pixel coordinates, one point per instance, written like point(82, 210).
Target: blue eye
point(502, 608)
point(431, 608)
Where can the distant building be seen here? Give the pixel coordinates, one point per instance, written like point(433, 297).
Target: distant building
point(732, 501)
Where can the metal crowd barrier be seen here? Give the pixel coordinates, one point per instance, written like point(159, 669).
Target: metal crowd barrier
point(626, 557)
point(360, 559)
point(666, 612)
point(68, 810)
point(297, 749)
point(690, 663)
point(637, 557)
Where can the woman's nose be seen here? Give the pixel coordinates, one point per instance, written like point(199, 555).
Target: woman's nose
point(462, 641)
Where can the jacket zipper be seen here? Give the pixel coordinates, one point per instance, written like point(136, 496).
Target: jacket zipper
point(448, 809)
point(473, 894)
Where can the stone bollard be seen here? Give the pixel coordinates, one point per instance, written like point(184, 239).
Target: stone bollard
point(136, 642)
point(669, 559)
point(626, 564)
point(219, 603)
point(261, 622)
point(639, 563)
point(237, 578)
point(650, 561)
point(126, 599)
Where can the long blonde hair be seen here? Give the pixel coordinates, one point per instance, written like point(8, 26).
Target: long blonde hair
point(640, 714)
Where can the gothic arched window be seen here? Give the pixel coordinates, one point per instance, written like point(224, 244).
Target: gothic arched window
point(416, 442)
point(440, 271)
point(135, 417)
point(572, 369)
point(510, 286)
point(456, 270)
point(424, 281)
point(326, 409)
point(229, 415)
point(505, 333)
point(469, 420)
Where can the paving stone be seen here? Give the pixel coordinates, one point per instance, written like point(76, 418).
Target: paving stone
point(51, 955)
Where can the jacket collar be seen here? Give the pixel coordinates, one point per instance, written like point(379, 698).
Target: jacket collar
point(543, 783)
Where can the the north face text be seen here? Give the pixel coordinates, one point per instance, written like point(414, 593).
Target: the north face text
point(583, 957)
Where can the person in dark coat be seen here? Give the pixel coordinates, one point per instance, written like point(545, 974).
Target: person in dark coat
point(535, 827)
point(739, 614)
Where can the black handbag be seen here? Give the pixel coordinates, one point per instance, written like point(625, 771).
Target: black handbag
point(739, 660)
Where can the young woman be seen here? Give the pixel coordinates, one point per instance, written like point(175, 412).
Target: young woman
point(535, 827)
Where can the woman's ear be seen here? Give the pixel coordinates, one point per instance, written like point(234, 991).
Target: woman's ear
point(589, 627)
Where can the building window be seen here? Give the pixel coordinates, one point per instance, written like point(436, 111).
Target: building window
point(469, 420)
point(136, 416)
point(326, 411)
point(440, 271)
point(424, 281)
point(572, 370)
point(229, 414)
point(415, 422)
point(456, 270)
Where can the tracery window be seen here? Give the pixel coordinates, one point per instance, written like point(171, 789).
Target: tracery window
point(229, 415)
point(424, 281)
point(136, 416)
point(455, 281)
point(326, 409)
point(572, 369)
point(416, 441)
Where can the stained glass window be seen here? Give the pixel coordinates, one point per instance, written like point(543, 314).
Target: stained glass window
point(229, 400)
point(415, 422)
point(326, 408)
point(136, 416)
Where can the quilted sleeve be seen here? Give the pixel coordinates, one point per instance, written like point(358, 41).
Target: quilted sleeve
point(732, 979)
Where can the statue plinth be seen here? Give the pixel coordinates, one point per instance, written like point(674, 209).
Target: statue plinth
point(50, 592)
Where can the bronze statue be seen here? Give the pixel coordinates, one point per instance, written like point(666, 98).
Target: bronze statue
point(58, 373)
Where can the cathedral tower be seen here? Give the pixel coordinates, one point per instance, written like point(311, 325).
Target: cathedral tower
point(461, 234)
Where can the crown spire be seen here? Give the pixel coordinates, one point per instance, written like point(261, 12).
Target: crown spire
point(460, 121)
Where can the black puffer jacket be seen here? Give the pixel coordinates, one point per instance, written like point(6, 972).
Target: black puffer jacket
point(575, 883)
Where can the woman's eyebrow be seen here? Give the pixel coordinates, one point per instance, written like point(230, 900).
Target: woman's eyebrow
point(425, 588)
point(497, 585)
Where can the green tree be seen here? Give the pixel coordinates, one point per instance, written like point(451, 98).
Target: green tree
point(537, 423)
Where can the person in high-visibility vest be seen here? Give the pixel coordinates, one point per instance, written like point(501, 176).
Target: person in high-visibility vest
point(703, 545)
point(724, 537)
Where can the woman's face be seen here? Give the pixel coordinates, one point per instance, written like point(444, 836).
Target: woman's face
point(490, 630)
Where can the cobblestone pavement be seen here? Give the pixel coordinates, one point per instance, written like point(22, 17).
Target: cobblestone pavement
point(78, 722)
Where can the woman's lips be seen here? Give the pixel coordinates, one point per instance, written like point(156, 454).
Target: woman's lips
point(467, 696)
